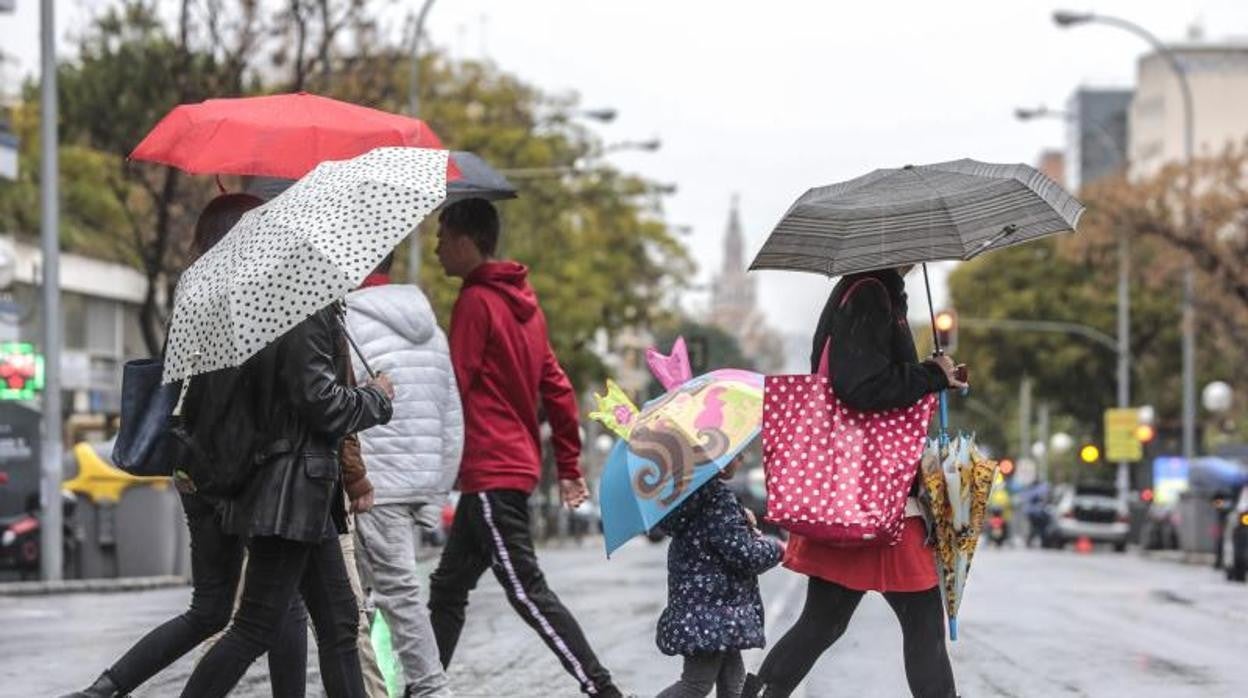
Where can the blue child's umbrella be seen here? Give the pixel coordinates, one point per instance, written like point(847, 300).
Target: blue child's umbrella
point(677, 444)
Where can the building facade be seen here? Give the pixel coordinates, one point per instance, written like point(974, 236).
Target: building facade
point(1218, 76)
point(100, 321)
point(1096, 135)
point(1052, 163)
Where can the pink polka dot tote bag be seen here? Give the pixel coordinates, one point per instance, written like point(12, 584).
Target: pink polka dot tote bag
point(834, 474)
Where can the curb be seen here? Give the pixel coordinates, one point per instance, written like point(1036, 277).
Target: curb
point(1179, 557)
point(91, 586)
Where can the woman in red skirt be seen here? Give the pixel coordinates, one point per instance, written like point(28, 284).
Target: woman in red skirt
point(874, 366)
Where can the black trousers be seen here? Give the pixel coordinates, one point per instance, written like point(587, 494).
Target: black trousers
point(215, 562)
point(824, 619)
point(491, 531)
point(278, 570)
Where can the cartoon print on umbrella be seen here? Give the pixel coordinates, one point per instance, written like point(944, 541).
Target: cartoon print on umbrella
point(675, 443)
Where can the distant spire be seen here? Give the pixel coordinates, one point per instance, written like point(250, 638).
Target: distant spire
point(734, 240)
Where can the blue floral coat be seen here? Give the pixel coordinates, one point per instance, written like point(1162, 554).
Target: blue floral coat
point(713, 565)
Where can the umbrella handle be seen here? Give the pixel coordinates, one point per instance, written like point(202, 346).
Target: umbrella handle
point(944, 417)
point(363, 361)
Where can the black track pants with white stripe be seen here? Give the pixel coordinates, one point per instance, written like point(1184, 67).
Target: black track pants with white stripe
point(491, 531)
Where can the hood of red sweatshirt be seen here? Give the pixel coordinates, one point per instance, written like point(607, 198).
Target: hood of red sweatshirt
point(511, 281)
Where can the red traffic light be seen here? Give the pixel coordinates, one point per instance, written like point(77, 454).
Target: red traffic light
point(1006, 466)
point(1146, 495)
point(946, 326)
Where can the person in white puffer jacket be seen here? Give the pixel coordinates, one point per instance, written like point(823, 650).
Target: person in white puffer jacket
point(413, 461)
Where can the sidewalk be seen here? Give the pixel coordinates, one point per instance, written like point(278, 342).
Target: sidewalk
point(92, 586)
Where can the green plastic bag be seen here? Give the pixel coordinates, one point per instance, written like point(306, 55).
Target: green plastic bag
point(387, 660)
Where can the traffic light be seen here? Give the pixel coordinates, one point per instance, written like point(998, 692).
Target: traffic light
point(947, 330)
point(1090, 454)
point(1145, 433)
point(1006, 466)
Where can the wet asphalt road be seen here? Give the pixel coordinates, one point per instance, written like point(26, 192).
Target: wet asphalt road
point(1034, 624)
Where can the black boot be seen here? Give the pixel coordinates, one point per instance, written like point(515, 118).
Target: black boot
point(104, 687)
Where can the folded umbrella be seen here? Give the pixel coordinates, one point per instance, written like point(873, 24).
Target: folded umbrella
point(957, 480)
point(283, 135)
point(296, 254)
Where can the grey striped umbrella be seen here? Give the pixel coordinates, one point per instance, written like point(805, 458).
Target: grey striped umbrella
point(916, 214)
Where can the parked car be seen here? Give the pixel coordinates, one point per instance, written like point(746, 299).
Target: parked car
point(1093, 512)
point(1235, 539)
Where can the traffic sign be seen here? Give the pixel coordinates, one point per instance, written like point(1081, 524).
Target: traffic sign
point(1122, 440)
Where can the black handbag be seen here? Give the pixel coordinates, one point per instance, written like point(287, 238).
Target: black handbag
point(145, 444)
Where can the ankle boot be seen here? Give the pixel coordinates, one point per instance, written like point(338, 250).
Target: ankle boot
point(104, 687)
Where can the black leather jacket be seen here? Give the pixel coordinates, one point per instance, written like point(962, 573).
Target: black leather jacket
point(297, 493)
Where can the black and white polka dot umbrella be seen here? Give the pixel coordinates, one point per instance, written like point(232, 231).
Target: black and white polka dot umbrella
point(298, 253)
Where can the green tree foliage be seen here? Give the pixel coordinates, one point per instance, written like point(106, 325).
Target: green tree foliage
point(600, 253)
point(1074, 279)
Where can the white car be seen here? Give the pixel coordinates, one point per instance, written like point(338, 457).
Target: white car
point(1095, 513)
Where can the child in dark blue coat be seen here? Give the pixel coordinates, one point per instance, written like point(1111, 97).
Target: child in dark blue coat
point(714, 609)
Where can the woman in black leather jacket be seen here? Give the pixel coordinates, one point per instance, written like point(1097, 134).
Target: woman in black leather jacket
point(292, 508)
point(216, 557)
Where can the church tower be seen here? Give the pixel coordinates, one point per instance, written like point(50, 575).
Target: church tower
point(732, 291)
point(734, 300)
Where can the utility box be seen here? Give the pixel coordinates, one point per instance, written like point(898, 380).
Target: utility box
point(127, 526)
point(1198, 523)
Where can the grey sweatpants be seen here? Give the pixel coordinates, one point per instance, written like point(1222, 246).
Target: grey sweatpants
point(388, 535)
point(722, 672)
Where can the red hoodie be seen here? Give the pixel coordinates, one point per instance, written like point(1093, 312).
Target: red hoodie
point(504, 364)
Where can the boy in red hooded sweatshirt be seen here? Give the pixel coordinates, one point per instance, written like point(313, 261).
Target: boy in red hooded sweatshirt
point(504, 365)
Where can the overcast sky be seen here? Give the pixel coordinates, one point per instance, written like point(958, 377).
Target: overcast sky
point(767, 99)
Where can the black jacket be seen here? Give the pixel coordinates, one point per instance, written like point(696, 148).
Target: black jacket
point(873, 363)
point(296, 492)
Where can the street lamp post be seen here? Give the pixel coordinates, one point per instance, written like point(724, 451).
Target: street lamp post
point(50, 454)
point(413, 99)
point(1124, 279)
point(1065, 18)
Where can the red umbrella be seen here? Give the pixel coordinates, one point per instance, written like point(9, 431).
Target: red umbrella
point(276, 136)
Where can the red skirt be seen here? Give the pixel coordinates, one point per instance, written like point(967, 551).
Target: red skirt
point(908, 566)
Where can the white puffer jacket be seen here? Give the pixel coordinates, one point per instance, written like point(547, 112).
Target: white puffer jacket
point(414, 458)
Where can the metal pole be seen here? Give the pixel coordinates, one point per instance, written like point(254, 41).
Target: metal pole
point(1043, 469)
point(50, 489)
point(1189, 273)
point(413, 97)
point(1024, 418)
point(1123, 477)
point(1189, 364)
